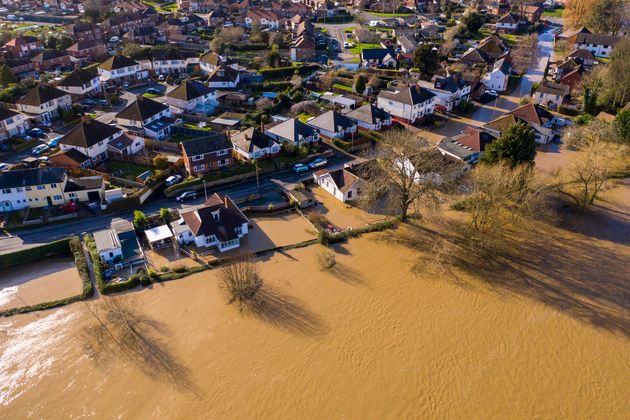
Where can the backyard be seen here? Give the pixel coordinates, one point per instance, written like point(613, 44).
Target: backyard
point(128, 170)
point(555, 13)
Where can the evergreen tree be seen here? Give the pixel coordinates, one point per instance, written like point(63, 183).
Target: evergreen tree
point(516, 145)
point(7, 76)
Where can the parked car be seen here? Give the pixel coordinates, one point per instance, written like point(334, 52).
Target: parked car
point(25, 137)
point(38, 150)
point(4, 147)
point(87, 101)
point(161, 77)
point(94, 207)
point(54, 142)
point(70, 207)
point(36, 132)
point(347, 44)
point(492, 92)
point(318, 163)
point(187, 195)
point(299, 168)
point(153, 91)
point(172, 180)
point(4, 166)
point(114, 39)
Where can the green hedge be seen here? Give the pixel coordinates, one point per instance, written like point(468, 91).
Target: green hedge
point(97, 264)
point(55, 249)
point(287, 71)
point(73, 246)
point(326, 238)
point(183, 185)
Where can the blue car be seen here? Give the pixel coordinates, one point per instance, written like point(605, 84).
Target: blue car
point(54, 142)
point(299, 168)
point(37, 133)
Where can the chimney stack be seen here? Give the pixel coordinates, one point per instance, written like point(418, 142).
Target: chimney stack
point(225, 200)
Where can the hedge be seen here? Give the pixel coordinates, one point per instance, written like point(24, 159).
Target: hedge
point(73, 246)
point(287, 71)
point(55, 249)
point(99, 270)
point(326, 238)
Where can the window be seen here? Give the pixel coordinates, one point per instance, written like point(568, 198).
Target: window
point(57, 197)
point(53, 185)
point(199, 168)
point(111, 255)
point(197, 158)
point(73, 195)
point(18, 189)
point(41, 187)
point(223, 162)
point(28, 188)
point(6, 191)
point(221, 152)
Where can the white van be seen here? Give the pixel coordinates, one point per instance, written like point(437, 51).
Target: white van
point(11, 17)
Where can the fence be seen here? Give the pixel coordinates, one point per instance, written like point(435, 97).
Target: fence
point(162, 146)
point(191, 132)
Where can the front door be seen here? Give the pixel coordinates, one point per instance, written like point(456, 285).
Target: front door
point(49, 200)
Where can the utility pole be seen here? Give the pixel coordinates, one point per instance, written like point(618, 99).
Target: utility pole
point(205, 190)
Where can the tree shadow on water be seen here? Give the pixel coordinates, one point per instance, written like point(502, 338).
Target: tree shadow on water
point(285, 312)
point(119, 329)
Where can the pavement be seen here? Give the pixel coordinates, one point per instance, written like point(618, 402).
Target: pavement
point(267, 184)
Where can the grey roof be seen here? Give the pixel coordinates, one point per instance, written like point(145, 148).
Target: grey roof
point(203, 145)
point(6, 113)
point(331, 121)
point(88, 133)
point(292, 130)
point(117, 62)
point(509, 18)
point(368, 114)
point(252, 140)
point(412, 95)
point(41, 94)
point(223, 74)
point(189, 90)
point(553, 88)
point(454, 148)
point(31, 177)
point(452, 83)
point(503, 65)
point(78, 78)
point(597, 39)
point(106, 239)
point(141, 109)
point(377, 53)
point(84, 183)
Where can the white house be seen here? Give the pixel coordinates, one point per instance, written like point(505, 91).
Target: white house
point(172, 61)
point(91, 138)
point(368, 117)
point(599, 45)
point(449, 91)
point(254, 144)
point(264, 18)
point(12, 123)
point(378, 57)
point(508, 24)
point(534, 115)
point(333, 125)
point(498, 78)
point(341, 183)
point(210, 62)
point(407, 105)
point(119, 69)
point(44, 101)
point(191, 94)
point(551, 94)
point(220, 223)
point(81, 83)
point(118, 245)
point(224, 77)
point(142, 112)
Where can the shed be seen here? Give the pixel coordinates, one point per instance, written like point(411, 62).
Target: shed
point(159, 237)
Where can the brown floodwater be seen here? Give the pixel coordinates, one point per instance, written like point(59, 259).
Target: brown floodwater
point(39, 282)
point(368, 340)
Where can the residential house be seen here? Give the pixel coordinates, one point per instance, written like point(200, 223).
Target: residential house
point(508, 24)
point(190, 95)
point(50, 60)
point(81, 83)
point(489, 50)
point(35, 187)
point(600, 45)
point(573, 79)
point(303, 42)
point(333, 125)
point(223, 77)
point(466, 146)
point(499, 7)
point(144, 111)
point(340, 183)
point(23, 46)
point(19, 66)
point(12, 123)
point(407, 43)
point(85, 31)
point(408, 104)
point(126, 145)
point(499, 77)
point(85, 189)
point(570, 36)
point(583, 57)
point(211, 61)
point(118, 246)
point(43, 102)
point(534, 115)
point(218, 17)
point(172, 61)
point(263, 18)
point(449, 90)
point(70, 159)
point(145, 36)
point(551, 95)
point(122, 23)
point(90, 138)
point(378, 57)
point(119, 69)
point(219, 223)
point(180, 25)
point(92, 50)
point(370, 118)
point(207, 154)
point(254, 144)
point(293, 131)
point(532, 13)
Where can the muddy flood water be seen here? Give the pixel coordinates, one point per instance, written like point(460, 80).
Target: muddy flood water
point(369, 340)
point(39, 282)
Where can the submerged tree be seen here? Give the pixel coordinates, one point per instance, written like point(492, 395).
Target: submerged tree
point(240, 279)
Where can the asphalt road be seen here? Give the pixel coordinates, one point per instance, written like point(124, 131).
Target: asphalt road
point(267, 184)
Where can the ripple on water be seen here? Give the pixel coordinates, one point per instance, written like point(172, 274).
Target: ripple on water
point(26, 354)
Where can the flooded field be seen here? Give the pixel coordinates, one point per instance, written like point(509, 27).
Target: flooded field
point(369, 339)
point(39, 282)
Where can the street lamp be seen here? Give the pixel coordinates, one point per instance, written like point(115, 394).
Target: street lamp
point(205, 190)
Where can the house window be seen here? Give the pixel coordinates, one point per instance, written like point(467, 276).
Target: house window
point(28, 188)
point(6, 191)
point(199, 168)
point(111, 255)
point(222, 152)
point(223, 162)
point(197, 158)
point(73, 195)
point(57, 197)
point(41, 187)
point(53, 185)
point(238, 230)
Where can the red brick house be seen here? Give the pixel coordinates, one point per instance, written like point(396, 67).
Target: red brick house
point(23, 46)
point(92, 50)
point(207, 154)
point(49, 60)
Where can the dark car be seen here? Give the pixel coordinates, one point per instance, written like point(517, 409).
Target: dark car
point(4, 147)
point(37, 133)
point(186, 195)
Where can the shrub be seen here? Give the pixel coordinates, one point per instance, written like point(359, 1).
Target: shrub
point(160, 162)
point(152, 273)
point(325, 260)
point(54, 249)
point(164, 269)
point(240, 278)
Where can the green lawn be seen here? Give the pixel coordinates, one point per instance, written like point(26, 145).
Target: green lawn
point(129, 170)
point(304, 117)
point(150, 95)
point(348, 30)
point(556, 13)
point(196, 127)
point(360, 47)
point(342, 87)
point(390, 14)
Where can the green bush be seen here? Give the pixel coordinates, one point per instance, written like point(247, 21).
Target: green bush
point(99, 269)
point(287, 71)
point(55, 249)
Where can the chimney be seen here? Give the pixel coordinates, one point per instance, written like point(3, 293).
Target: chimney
point(262, 127)
point(225, 200)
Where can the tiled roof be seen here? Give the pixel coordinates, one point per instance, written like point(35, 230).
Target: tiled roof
point(412, 95)
point(41, 94)
point(31, 177)
point(88, 133)
point(141, 109)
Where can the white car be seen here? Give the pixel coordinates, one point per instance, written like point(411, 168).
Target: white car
point(38, 150)
point(172, 180)
point(492, 92)
point(4, 166)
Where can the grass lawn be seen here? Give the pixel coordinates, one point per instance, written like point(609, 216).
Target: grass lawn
point(129, 170)
point(556, 13)
point(176, 138)
point(360, 47)
point(390, 14)
point(348, 30)
point(196, 127)
point(36, 213)
point(150, 95)
point(304, 117)
point(342, 87)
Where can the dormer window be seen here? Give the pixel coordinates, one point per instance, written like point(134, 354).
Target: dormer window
point(215, 215)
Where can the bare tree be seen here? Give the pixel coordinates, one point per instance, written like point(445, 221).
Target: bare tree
point(240, 279)
point(525, 53)
point(325, 259)
point(304, 107)
point(407, 172)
